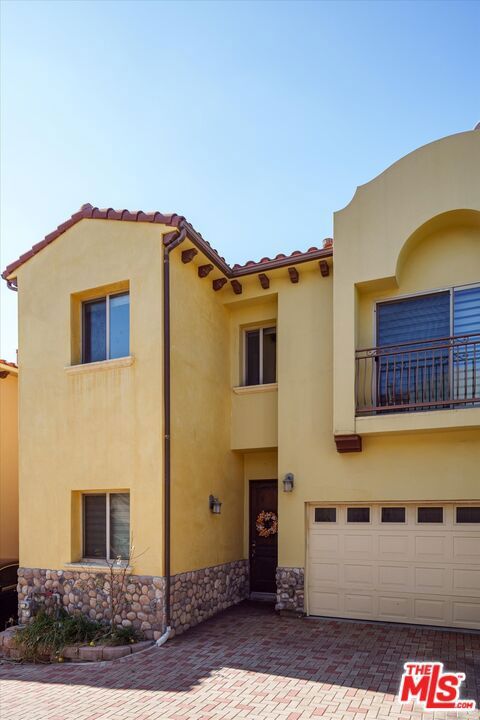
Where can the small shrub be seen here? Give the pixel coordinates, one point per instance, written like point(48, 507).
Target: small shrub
point(52, 630)
point(121, 636)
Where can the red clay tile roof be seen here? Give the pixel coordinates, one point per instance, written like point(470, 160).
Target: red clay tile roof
point(178, 221)
point(9, 364)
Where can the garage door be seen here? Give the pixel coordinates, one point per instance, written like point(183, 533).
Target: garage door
point(400, 563)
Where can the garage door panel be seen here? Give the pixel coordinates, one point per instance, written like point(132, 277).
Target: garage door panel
point(326, 545)
point(431, 611)
point(467, 580)
point(430, 547)
point(355, 574)
point(358, 545)
point(417, 573)
point(394, 546)
point(394, 577)
point(327, 603)
point(466, 549)
point(394, 608)
point(431, 579)
point(360, 605)
point(325, 573)
point(466, 614)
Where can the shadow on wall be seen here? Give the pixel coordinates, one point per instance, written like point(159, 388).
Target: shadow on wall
point(251, 637)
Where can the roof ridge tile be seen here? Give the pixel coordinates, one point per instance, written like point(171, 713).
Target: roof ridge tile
point(87, 211)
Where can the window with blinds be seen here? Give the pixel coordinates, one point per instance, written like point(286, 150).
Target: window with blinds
point(106, 526)
point(429, 349)
point(466, 350)
point(425, 317)
point(466, 314)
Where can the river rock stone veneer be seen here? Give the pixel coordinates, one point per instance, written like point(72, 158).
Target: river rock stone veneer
point(88, 591)
point(291, 589)
point(199, 594)
point(195, 596)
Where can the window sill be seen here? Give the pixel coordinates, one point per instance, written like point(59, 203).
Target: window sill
point(96, 565)
point(101, 365)
point(248, 389)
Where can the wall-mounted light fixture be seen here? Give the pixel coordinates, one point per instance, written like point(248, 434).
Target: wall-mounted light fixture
point(288, 482)
point(215, 505)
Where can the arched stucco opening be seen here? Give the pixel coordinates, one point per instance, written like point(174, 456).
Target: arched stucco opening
point(438, 242)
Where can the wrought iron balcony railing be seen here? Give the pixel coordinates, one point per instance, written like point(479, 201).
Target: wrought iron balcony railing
point(421, 375)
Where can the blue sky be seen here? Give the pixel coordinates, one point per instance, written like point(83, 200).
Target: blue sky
point(256, 120)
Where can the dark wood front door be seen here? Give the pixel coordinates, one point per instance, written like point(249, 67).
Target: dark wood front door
point(263, 550)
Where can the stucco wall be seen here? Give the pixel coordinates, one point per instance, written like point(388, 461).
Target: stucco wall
point(400, 467)
point(202, 461)
point(99, 430)
point(9, 465)
point(93, 430)
point(447, 256)
point(371, 232)
point(382, 248)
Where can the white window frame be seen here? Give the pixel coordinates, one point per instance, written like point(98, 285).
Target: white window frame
point(260, 328)
point(107, 524)
point(107, 324)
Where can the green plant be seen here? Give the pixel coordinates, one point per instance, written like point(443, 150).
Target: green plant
point(121, 636)
point(51, 630)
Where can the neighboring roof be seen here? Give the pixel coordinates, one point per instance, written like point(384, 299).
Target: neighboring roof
point(9, 366)
point(87, 211)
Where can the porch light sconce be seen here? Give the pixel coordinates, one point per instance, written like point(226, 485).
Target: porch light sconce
point(215, 505)
point(288, 482)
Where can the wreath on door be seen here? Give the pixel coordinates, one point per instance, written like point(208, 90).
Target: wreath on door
point(266, 524)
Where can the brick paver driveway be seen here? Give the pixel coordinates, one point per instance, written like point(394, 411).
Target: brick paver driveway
point(246, 663)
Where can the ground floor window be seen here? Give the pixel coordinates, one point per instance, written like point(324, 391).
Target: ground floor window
point(106, 526)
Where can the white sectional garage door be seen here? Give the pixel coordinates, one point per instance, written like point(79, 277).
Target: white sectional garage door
point(402, 563)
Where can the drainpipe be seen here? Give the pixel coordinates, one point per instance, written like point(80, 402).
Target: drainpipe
point(170, 243)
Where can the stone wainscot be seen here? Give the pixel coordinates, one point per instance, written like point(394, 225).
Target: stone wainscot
point(291, 589)
point(195, 596)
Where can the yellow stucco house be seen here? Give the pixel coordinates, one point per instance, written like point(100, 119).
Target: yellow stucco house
point(8, 460)
point(306, 426)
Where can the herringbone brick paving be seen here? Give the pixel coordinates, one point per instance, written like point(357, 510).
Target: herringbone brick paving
point(246, 664)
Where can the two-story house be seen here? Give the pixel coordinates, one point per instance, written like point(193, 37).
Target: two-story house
point(306, 426)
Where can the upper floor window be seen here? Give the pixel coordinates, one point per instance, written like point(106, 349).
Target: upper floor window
point(427, 354)
point(429, 316)
point(106, 328)
point(106, 526)
point(261, 356)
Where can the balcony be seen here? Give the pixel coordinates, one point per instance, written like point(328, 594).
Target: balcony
point(411, 377)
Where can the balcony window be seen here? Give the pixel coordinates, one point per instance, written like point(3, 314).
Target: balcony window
point(261, 356)
point(427, 355)
point(106, 328)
